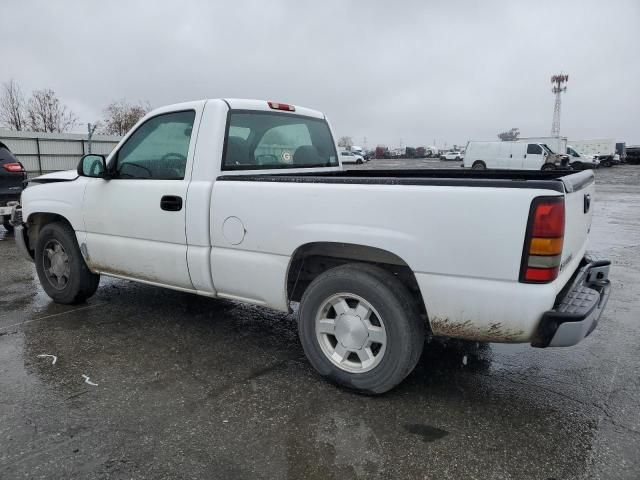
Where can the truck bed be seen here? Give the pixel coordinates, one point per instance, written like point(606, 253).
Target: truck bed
point(556, 180)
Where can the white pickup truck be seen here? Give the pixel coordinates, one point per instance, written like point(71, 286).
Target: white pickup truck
point(246, 200)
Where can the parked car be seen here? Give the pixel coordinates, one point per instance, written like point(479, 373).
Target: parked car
point(580, 161)
point(347, 156)
point(382, 152)
point(454, 155)
point(512, 156)
point(432, 152)
point(12, 177)
point(604, 149)
point(246, 200)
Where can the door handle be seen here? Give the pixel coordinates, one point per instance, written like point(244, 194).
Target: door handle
point(587, 203)
point(171, 203)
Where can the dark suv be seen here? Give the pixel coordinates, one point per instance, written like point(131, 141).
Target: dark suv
point(12, 177)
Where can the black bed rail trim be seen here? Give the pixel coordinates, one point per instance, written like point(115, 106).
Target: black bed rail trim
point(412, 177)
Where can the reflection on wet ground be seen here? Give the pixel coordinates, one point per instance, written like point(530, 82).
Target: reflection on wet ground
point(188, 387)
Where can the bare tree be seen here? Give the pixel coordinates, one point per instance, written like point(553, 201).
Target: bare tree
point(346, 142)
point(510, 136)
point(45, 113)
point(120, 116)
point(12, 106)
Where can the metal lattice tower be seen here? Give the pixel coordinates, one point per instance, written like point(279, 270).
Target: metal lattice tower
point(557, 81)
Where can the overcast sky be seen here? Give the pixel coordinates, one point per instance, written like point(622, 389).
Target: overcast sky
point(388, 71)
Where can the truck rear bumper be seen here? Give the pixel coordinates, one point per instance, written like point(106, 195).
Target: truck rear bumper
point(578, 307)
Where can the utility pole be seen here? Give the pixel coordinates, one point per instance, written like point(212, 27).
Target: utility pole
point(557, 81)
point(90, 129)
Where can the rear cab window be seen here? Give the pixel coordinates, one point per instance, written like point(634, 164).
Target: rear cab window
point(272, 140)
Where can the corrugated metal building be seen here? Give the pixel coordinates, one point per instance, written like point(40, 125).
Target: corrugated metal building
point(48, 152)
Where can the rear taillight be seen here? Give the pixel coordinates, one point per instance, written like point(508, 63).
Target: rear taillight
point(543, 242)
point(282, 106)
point(13, 167)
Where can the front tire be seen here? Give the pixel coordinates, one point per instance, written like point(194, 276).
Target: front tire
point(62, 271)
point(360, 327)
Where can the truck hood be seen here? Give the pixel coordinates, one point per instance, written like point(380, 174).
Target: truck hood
point(64, 176)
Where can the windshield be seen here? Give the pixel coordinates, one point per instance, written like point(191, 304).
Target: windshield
point(547, 149)
point(267, 140)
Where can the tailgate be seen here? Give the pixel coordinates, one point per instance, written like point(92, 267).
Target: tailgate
point(579, 189)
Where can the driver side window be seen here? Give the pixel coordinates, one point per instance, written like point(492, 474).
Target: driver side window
point(534, 149)
point(158, 149)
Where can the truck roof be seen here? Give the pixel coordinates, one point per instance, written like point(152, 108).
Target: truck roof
point(235, 104)
point(248, 104)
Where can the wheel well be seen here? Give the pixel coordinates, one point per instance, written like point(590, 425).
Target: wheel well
point(313, 259)
point(35, 222)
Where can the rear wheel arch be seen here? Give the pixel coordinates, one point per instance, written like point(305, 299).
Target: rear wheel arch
point(360, 327)
point(312, 259)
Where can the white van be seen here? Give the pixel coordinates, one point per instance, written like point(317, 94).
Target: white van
point(510, 155)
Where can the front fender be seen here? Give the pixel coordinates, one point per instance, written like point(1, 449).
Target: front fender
point(57, 198)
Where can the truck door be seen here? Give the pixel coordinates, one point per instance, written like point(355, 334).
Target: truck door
point(135, 222)
point(504, 159)
point(534, 157)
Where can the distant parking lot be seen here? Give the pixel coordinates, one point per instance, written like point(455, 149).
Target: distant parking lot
point(407, 163)
point(152, 383)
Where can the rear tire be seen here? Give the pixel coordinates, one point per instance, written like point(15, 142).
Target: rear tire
point(479, 165)
point(62, 271)
point(5, 223)
point(374, 336)
point(548, 166)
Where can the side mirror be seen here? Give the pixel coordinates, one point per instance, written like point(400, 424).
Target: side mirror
point(92, 165)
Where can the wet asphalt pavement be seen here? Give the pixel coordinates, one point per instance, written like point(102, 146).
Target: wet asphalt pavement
point(189, 387)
